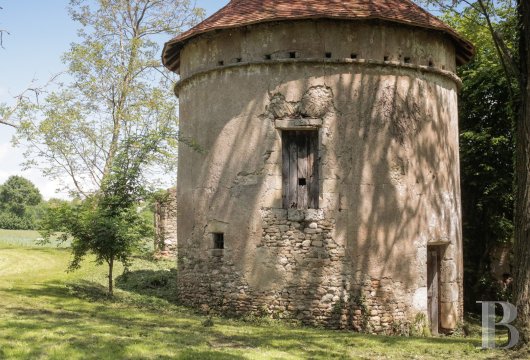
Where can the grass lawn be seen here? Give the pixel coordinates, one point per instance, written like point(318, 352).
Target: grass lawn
point(46, 313)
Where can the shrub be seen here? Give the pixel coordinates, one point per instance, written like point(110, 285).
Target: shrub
point(10, 221)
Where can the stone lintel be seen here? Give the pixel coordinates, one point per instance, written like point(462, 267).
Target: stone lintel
point(439, 241)
point(298, 124)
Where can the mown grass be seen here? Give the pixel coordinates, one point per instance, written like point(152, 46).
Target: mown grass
point(46, 313)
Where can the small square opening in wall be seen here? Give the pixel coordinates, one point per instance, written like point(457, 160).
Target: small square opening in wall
point(293, 54)
point(385, 58)
point(268, 57)
point(328, 55)
point(218, 240)
point(220, 63)
point(353, 56)
point(406, 60)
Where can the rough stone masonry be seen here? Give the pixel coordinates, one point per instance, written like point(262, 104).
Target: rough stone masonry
point(166, 224)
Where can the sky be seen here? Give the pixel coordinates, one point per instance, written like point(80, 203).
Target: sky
point(40, 32)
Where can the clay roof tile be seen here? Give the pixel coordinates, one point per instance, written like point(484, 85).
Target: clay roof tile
point(240, 13)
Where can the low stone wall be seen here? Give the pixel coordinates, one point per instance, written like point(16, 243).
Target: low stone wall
point(318, 287)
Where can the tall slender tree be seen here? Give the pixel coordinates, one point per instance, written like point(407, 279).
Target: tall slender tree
point(522, 167)
point(116, 90)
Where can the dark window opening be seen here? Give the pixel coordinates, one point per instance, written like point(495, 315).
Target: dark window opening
point(328, 55)
point(239, 60)
point(300, 169)
point(385, 58)
point(268, 57)
point(431, 64)
point(354, 56)
point(218, 240)
point(407, 60)
point(221, 63)
point(292, 55)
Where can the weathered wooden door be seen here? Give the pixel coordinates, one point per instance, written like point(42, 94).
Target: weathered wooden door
point(433, 287)
point(300, 169)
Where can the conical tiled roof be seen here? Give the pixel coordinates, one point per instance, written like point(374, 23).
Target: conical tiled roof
point(240, 13)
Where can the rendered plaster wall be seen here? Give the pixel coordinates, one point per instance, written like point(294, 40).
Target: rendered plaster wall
point(313, 39)
point(389, 179)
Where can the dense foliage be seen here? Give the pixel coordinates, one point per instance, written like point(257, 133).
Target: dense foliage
point(19, 204)
point(487, 117)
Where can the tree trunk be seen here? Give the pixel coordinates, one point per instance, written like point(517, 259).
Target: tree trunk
point(111, 282)
point(522, 167)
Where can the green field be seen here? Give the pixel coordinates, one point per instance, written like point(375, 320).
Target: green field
point(46, 313)
point(25, 238)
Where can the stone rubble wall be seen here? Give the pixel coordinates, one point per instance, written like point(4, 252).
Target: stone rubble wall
point(319, 291)
point(166, 224)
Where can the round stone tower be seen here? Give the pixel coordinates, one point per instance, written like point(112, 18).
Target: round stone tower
point(326, 187)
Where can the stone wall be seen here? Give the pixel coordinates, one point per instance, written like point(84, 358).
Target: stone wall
point(318, 290)
point(388, 177)
point(166, 223)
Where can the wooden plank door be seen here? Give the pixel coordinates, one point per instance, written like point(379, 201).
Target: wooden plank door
point(300, 169)
point(433, 288)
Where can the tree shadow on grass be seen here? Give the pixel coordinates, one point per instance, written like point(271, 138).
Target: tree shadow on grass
point(106, 329)
point(112, 327)
point(324, 344)
point(159, 283)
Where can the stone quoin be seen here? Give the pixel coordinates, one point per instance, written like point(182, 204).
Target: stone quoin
point(327, 189)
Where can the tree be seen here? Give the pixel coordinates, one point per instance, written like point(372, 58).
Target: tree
point(108, 223)
point(522, 167)
point(516, 66)
point(17, 193)
point(18, 204)
point(118, 90)
point(109, 126)
point(487, 148)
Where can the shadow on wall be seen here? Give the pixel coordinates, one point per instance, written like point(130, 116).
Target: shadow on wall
point(389, 171)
